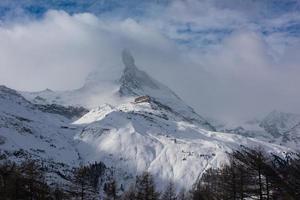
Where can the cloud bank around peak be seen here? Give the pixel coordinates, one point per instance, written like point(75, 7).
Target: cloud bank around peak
point(59, 50)
point(224, 59)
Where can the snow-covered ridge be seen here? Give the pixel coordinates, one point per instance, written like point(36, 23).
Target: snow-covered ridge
point(134, 137)
point(160, 134)
point(95, 114)
point(131, 84)
point(23, 126)
point(279, 123)
point(135, 82)
point(276, 127)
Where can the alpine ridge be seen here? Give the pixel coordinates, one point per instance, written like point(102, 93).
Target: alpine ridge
point(276, 127)
point(161, 134)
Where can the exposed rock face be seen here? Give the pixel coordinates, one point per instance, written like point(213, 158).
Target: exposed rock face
point(134, 81)
point(69, 112)
point(142, 99)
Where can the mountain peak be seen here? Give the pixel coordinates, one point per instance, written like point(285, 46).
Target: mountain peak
point(134, 82)
point(277, 123)
point(6, 92)
point(128, 59)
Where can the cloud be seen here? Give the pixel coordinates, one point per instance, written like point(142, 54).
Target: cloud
point(246, 80)
point(59, 50)
point(44, 53)
point(224, 59)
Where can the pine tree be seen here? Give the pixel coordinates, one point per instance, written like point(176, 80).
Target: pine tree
point(110, 189)
point(145, 188)
point(34, 180)
point(169, 193)
point(82, 183)
point(130, 194)
point(58, 193)
point(182, 195)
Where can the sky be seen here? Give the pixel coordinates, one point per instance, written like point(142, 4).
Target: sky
point(230, 59)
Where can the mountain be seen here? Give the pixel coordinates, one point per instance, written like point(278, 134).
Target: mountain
point(134, 137)
point(277, 127)
point(133, 83)
point(27, 131)
point(285, 127)
point(149, 129)
point(94, 92)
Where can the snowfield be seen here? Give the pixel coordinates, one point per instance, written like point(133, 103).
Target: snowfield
point(138, 137)
point(161, 135)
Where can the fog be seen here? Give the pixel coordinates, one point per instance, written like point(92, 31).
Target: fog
point(224, 60)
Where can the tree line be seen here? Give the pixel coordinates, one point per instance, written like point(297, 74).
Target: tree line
point(252, 174)
point(28, 181)
point(249, 174)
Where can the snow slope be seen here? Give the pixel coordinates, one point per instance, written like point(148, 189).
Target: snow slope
point(276, 127)
point(32, 132)
point(162, 135)
point(136, 137)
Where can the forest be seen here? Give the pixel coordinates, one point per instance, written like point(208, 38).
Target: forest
point(249, 174)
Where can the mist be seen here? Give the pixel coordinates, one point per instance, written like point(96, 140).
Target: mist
point(223, 64)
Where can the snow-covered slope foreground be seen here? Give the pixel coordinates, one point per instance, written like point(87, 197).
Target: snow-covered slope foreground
point(158, 132)
point(41, 133)
point(136, 137)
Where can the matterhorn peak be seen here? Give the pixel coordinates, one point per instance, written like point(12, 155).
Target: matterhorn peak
point(134, 82)
point(128, 59)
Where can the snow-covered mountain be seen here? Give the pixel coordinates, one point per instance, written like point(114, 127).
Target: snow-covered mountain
point(33, 131)
point(280, 124)
point(133, 83)
point(276, 127)
point(137, 137)
point(150, 128)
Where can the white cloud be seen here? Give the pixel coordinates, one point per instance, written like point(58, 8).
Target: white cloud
point(44, 53)
point(246, 80)
point(59, 50)
point(244, 74)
